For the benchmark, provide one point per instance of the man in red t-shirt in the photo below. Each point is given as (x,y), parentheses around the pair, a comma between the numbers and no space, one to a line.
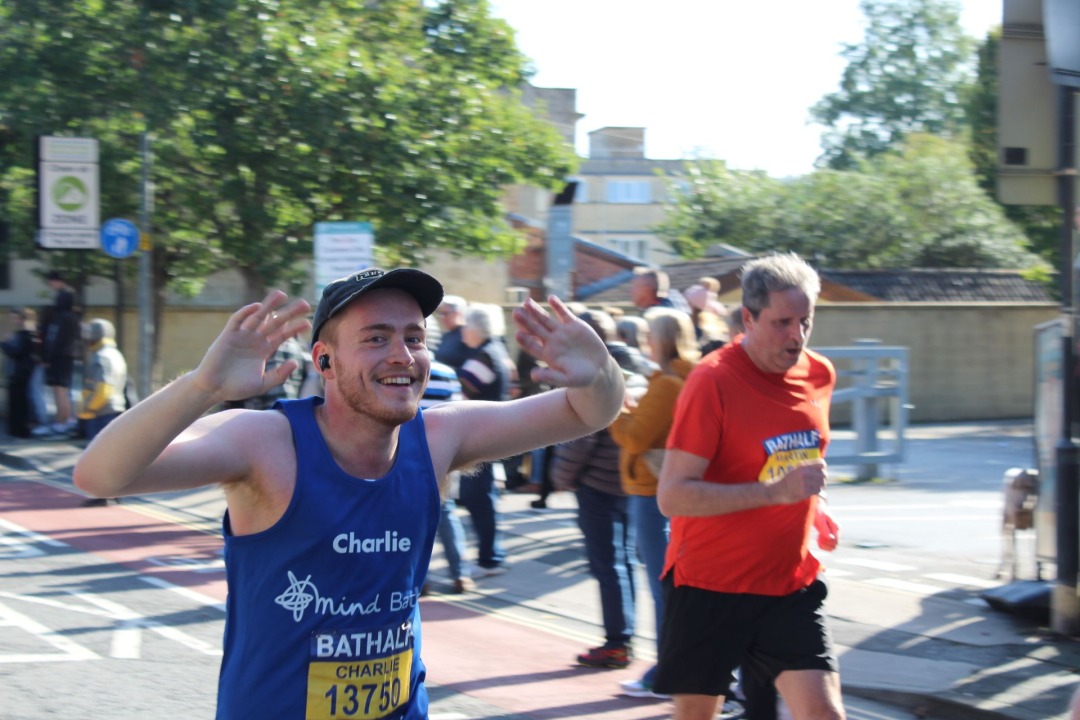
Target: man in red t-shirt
(741,479)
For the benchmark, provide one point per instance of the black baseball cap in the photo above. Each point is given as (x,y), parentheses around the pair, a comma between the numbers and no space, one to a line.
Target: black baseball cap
(426,290)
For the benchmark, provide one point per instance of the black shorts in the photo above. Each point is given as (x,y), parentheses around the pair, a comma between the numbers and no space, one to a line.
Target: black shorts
(707,634)
(59,372)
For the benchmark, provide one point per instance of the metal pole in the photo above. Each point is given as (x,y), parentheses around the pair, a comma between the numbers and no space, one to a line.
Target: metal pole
(144,382)
(146,314)
(1065,606)
(118,310)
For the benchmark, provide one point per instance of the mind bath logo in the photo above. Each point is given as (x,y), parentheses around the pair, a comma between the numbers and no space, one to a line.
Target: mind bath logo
(302,594)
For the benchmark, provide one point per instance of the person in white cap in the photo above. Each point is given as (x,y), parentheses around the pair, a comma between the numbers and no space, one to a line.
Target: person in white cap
(333,503)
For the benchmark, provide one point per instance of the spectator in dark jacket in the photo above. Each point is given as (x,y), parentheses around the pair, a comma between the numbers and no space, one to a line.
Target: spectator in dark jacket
(18,348)
(484,376)
(452,350)
(589,466)
(60,348)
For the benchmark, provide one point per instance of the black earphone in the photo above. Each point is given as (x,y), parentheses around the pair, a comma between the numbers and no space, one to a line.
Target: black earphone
(324,362)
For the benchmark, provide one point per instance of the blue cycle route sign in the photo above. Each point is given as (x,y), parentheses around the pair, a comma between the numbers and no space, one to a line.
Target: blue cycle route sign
(119,238)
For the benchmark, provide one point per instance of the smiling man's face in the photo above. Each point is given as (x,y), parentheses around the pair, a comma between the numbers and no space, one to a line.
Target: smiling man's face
(380,361)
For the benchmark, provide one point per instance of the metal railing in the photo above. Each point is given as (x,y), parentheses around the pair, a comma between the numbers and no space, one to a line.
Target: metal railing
(874,379)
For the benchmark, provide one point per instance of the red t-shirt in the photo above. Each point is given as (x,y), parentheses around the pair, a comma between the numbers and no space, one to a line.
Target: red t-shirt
(752,426)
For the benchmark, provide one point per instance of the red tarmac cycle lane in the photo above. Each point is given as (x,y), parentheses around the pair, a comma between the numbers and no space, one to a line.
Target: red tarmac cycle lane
(117,533)
(518,668)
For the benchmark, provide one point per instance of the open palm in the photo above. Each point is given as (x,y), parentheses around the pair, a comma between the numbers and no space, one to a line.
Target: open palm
(234,367)
(570,349)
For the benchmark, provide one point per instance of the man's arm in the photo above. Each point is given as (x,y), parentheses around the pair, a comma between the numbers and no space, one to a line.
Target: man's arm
(683,491)
(589,395)
(164,443)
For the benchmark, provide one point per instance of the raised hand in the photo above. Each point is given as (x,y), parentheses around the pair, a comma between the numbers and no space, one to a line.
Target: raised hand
(570,349)
(234,368)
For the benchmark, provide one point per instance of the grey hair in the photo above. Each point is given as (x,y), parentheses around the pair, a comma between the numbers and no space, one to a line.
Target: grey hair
(99,329)
(776,273)
(658,279)
(486,319)
(455,302)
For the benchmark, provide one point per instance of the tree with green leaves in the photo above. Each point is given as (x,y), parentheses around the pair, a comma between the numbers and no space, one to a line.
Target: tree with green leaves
(911,73)
(917,205)
(714,203)
(267,117)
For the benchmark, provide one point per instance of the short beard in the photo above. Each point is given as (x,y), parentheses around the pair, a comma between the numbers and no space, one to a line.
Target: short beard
(362,404)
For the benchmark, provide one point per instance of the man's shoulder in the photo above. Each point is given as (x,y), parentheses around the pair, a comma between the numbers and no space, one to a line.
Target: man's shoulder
(244,447)
(820,365)
(815,357)
(269,424)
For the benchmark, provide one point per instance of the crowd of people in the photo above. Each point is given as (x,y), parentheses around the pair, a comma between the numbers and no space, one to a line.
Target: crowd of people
(65,374)
(650,419)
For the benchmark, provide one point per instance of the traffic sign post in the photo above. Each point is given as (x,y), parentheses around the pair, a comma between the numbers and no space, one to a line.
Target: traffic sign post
(119,238)
(68,193)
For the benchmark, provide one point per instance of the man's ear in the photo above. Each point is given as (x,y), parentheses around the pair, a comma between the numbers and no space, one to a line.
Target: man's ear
(321,357)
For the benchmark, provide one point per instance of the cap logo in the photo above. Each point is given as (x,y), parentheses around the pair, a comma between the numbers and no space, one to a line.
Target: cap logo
(368,274)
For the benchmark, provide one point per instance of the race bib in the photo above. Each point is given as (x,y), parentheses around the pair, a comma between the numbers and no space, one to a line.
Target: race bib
(786,452)
(359,674)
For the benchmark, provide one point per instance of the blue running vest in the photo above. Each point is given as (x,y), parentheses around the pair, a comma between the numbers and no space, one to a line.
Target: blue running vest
(323,618)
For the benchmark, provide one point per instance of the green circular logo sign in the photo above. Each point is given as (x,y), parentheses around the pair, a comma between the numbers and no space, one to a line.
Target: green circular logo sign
(69,193)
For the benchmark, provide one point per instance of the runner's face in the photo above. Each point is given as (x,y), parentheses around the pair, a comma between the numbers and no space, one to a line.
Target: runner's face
(777,338)
(381,362)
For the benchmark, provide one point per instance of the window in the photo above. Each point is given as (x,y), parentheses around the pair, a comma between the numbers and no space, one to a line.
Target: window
(581,192)
(582,195)
(633,248)
(629,191)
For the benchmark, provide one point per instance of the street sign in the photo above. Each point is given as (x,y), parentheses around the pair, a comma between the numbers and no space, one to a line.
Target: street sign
(68,149)
(69,196)
(119,238)
(68,193)
(68,239)
(341,248)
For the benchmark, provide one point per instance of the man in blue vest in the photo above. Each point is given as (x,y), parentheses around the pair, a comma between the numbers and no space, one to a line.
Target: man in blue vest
(333,503)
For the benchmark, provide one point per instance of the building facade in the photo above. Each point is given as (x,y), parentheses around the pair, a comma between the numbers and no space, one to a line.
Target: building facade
(622,195)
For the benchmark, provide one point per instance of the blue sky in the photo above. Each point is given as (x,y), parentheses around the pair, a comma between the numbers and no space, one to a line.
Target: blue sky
(731,79)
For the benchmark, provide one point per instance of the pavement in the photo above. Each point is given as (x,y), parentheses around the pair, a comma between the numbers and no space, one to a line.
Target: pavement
(901,655)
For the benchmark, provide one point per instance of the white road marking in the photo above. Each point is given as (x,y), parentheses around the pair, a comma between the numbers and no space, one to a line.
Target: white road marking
(68,649)
(873,564)
(24,546)
(127,635)
(964,580)
(184,592)
(49,602)
(906,586)
(182,563)
(36,537)
(127,638)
